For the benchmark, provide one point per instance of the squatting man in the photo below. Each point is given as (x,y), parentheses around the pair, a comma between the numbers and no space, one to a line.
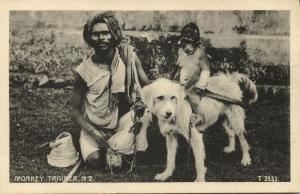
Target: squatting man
(104,86)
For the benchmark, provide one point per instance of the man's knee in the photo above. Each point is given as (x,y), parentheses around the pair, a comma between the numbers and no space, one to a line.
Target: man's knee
(97,159)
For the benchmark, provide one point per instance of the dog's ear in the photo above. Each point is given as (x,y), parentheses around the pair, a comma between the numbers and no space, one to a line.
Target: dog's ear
(147,95)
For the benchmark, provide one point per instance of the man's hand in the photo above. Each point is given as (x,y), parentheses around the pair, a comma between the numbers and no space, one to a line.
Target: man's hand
(100,139)
(139,108)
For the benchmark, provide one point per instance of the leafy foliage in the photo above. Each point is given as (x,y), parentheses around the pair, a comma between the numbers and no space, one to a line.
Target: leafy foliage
(40,52)
(159,58)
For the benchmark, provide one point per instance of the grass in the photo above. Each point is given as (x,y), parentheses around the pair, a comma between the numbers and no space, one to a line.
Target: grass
(39,115)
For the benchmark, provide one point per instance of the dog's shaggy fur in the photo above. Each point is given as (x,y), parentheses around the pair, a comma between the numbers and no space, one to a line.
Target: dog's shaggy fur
(208,110)
(166,100)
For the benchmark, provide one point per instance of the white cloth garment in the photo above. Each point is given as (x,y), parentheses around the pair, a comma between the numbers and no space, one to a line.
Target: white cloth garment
(118,71)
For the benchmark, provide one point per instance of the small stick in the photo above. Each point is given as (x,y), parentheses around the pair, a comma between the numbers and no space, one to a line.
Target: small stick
(43,144)
(73,171)
(131,166)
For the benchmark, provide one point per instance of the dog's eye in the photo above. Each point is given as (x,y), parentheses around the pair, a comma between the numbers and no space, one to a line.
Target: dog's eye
(173,97)
(160,97)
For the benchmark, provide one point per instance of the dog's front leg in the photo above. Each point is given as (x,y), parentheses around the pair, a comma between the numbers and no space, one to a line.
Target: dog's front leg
(199,154)
(246,160)
(171,142)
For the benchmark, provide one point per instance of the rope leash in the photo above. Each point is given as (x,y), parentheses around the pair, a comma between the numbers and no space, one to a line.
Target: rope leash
(189,145)
(135,129)
(114,158)
(221,98)
(189,142)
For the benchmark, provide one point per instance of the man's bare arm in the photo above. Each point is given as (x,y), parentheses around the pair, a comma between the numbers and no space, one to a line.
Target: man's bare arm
(79,91)
(143,78)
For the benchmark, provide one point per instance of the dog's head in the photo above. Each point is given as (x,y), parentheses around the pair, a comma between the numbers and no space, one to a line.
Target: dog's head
(165,99)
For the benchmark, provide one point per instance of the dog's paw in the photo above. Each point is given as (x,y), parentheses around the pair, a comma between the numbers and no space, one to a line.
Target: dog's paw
(162,176)
(228,149)
(200,179)
(246,161)
(201,174)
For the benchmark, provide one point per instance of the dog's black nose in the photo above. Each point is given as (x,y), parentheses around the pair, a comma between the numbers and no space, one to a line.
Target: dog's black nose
(168,114)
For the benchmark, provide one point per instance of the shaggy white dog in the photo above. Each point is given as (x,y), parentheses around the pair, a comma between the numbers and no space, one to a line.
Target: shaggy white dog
(237,87)
(166,100)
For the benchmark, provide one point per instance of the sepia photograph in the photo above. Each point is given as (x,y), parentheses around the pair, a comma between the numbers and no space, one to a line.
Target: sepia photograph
(79,92)
(150,96)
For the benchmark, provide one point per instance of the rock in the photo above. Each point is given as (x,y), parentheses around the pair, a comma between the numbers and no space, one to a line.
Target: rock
(59,83)
(43,80)
(59,80)
(46,82)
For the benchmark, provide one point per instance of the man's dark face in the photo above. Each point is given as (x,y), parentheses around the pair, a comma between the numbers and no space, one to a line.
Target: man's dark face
(101,38)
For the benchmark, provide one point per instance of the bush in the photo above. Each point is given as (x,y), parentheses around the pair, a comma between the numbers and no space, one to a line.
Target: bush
(159,58)
(39,52)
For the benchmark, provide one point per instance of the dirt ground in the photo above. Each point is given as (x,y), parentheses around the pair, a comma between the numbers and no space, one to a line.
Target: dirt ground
(39,115)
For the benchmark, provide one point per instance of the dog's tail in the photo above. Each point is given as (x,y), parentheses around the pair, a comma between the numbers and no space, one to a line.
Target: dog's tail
(250,94)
